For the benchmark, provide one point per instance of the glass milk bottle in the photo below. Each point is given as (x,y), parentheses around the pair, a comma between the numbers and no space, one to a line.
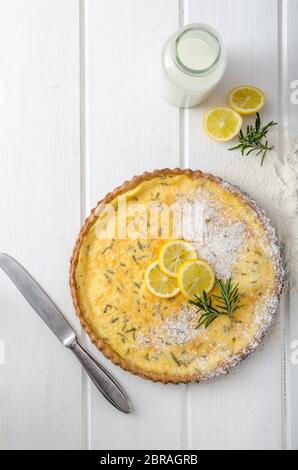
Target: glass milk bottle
(193,62)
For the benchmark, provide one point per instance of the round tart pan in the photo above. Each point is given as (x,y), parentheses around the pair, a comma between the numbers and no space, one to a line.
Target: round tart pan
(223,367)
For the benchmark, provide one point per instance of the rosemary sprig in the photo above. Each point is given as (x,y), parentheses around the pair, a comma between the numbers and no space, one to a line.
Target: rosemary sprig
(225,304)
(230,297)
(253,140)
(204,305)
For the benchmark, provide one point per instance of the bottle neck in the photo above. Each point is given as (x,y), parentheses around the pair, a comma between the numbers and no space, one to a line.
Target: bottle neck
(196,50)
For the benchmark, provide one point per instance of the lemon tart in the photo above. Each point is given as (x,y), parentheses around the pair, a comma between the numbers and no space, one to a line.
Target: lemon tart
(119,251)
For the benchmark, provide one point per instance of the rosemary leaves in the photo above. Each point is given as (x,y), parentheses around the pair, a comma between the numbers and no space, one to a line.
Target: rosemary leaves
(217,305)
(255,139)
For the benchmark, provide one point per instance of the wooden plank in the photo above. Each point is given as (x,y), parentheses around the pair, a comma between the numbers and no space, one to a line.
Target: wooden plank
(129,129)
(243,410)
(40,382)
(290,107)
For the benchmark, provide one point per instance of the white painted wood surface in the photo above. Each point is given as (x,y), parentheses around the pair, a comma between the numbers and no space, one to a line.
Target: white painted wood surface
(40,384)
(290,139)
(79,113)
(253,58)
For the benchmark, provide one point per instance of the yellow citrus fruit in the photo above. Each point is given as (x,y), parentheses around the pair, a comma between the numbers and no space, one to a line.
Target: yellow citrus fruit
(194,277)
(159,284)
(173,254)
(246,99)
(222,124)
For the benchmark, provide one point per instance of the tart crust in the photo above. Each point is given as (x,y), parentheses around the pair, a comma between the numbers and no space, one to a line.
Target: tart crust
(224,367)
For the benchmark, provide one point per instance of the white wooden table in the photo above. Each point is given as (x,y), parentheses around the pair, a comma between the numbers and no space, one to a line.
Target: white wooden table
(79,113)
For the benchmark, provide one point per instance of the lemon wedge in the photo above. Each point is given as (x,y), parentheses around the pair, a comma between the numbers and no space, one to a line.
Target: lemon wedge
(222,124)
(159,284)
(174,254)
(246,99)
(194,277)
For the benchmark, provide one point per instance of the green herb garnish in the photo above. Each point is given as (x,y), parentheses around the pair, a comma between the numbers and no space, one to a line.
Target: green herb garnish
(108,248)
(107,307)
(107,278)
(176,359)
(131,330)
(255,139)
(216,305)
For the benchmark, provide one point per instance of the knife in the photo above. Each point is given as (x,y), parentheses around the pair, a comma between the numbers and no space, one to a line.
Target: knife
(52,316)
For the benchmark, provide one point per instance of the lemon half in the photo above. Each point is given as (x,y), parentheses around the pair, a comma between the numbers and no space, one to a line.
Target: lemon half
(222,124)
(174,254)
(159,283)
(246,99)
(194,277)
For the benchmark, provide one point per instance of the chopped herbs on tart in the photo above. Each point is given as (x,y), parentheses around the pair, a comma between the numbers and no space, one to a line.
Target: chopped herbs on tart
(178,308)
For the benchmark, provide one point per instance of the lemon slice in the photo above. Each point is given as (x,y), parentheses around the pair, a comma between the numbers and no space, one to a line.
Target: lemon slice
(194,277)
(159,283)
(173,254)
(222,124)
(246,99)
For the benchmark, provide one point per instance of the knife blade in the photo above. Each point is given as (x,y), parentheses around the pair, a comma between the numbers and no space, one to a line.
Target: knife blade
(51,315)
(38,299)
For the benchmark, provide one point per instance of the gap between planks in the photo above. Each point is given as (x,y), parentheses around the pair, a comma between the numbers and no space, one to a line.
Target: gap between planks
(84,184)
(184,163)
(282,137)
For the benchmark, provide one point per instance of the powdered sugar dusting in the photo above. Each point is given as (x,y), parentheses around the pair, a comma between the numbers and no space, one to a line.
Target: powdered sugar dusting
(221,246)
(274,251)
(175,330)
(217,239)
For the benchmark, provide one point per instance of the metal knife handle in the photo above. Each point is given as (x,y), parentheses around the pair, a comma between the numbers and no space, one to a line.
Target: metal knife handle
(102,379)
(52,316)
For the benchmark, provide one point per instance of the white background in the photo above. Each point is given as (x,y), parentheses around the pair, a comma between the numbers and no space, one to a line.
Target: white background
(79,113)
